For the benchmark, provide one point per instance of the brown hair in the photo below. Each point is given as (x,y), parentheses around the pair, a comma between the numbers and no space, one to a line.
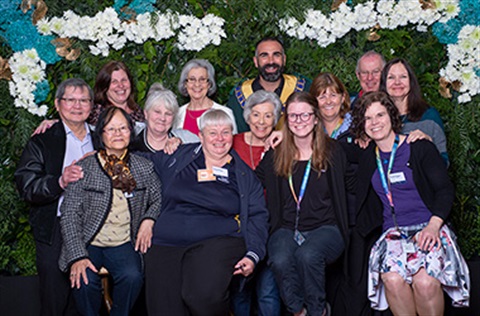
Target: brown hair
(326,80)
(287,152)
(416,105)
(358,123)
(104,78)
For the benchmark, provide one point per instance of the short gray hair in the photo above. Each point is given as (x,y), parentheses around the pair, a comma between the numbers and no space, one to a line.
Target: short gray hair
(73,82)
(157,95)
(370,53)
(197,63)
(214,117)
(262,96)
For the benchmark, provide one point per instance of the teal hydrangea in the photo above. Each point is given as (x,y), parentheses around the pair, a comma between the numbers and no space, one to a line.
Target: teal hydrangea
(41,91)
(447,33)
(138,6)
(20,34)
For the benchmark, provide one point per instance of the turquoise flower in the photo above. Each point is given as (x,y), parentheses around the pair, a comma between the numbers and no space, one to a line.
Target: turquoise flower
(138,6)
(469,12)
(41,91)
(46,50)
(447,33)
(477,71)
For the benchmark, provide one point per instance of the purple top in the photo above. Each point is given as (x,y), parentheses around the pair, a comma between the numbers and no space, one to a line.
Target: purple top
(409,206)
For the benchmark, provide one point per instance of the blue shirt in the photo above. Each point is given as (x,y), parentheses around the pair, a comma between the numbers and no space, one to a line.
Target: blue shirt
(74,150)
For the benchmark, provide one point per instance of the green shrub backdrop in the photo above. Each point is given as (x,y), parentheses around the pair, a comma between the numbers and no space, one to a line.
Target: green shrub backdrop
(245,23)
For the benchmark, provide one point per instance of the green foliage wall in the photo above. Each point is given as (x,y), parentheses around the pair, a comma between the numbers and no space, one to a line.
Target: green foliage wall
(246,23)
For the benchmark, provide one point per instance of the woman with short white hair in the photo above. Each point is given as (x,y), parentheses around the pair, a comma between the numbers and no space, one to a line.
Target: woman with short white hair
(160,111)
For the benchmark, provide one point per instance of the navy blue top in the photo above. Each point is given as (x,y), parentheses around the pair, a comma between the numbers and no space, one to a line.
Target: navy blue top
(245,197)
(200,210)
(409,206)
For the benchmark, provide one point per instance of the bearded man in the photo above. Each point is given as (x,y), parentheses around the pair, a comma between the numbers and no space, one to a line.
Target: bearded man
(270,61)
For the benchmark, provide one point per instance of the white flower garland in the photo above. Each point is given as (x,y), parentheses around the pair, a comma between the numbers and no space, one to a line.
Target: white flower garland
(388,14)
(107,31)
(27,70)
(464,62)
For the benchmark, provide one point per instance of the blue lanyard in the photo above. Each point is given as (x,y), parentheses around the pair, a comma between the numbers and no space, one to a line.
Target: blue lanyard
(334,134)
(303,187)
(386,179)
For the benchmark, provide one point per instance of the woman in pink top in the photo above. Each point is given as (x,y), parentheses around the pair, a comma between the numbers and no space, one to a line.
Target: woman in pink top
(197,81)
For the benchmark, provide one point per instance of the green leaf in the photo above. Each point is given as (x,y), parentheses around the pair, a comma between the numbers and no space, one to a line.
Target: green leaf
(149,50)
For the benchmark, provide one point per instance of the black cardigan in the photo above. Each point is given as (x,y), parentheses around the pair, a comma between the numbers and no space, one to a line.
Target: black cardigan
(338,179)
(429,175)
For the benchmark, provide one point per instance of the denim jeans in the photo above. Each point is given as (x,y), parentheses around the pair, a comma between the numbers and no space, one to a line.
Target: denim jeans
(266,290)
(300,270)
(124,265)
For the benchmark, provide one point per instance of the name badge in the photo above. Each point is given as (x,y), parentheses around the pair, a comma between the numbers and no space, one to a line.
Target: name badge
(204,175)
(397,177)
(220,172)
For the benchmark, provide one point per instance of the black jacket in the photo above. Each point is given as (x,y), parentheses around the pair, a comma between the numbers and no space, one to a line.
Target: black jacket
(338,179)
(37,176)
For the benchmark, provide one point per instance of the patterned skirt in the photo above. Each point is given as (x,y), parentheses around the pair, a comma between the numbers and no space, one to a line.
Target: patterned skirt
(399,252)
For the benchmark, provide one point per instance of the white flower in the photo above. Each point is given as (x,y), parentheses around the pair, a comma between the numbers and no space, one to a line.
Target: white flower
(384,7)
(464,98)
(43,27)
(422,28)
(94,50)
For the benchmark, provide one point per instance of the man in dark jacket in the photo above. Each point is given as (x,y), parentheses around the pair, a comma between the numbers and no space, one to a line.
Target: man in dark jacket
(45,169)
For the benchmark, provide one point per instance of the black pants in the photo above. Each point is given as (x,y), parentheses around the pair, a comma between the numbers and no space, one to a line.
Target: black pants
(191,280)
(55,294)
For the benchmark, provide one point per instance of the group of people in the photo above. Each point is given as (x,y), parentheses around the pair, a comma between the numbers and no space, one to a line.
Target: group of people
(292,195)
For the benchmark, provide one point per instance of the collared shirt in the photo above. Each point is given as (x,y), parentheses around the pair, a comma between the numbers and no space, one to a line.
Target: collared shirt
(74,150)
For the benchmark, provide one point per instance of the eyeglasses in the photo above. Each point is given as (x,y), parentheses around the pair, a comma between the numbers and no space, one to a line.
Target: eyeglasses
(200,80)
(113,130)
(375,73)
(73,101)
(304,117)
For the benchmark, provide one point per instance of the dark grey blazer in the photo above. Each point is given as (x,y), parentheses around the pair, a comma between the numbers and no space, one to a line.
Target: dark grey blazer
(88,201)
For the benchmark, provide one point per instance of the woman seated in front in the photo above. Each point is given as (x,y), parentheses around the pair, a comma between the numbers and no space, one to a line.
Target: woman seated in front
(417,254)
(213,224)
(108,216)
(305,179)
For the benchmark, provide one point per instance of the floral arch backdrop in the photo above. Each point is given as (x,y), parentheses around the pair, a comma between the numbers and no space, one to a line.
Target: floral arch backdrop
(45,42)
